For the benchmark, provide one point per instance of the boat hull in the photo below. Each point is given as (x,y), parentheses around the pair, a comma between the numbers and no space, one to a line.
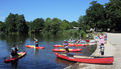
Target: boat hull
(99,60)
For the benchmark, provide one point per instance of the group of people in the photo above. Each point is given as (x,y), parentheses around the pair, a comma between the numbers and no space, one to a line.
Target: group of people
(101,40)
(14,49)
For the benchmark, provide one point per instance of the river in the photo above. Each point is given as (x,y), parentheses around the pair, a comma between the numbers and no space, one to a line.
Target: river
(36,59)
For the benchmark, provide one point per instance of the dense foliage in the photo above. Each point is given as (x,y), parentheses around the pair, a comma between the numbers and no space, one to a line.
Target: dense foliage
(102,17)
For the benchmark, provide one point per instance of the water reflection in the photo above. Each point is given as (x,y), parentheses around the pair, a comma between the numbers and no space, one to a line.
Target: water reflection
(37,58)
(14,40)
(14,64)
(36,52)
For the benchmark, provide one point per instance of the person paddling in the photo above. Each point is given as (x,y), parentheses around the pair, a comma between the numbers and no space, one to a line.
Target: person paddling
(66,47)
(14,53)
(36,42)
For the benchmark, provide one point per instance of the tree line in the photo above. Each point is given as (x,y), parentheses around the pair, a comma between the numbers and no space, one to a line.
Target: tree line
(105,17)
(16,23)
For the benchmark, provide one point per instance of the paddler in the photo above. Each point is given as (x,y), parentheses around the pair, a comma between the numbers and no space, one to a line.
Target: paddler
(36,42)
(66,46)
(14,53)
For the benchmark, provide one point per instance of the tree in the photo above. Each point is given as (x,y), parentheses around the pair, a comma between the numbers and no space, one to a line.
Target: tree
(75,24)
(11,23)
(113,14)
(37,25)
(2,26)
(65,25)
(95,15)
(55,23)
(16,23)
(47,25)
(83,23)
(21,25)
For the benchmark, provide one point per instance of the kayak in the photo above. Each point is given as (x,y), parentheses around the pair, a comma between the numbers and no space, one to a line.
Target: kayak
(33,46)
(63,50)
(57,45)
(20,55)
(71,45)
(81,44)
(87,59)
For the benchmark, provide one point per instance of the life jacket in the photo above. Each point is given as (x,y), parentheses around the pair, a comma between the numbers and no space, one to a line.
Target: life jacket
(36,41)
(101,48)
(66,44)
(14,50)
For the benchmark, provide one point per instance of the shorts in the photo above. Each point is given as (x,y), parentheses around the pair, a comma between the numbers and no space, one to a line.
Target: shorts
(102,52)
(67,50)
(36,45)
(105,39)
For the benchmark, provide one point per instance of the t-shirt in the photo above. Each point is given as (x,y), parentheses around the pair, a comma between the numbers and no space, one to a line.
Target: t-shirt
(101,48)
(101,40)
(14,50)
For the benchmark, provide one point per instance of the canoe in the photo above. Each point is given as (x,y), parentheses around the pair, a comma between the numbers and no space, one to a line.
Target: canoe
(20,55)
(63,50)
(33,46)
(87,59)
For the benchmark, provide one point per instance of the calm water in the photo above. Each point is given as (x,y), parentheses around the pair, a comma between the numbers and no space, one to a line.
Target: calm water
(36,59)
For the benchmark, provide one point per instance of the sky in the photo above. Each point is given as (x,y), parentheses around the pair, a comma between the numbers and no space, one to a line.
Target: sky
(69,10)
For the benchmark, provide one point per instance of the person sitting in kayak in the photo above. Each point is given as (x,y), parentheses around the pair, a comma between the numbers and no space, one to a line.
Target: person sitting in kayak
(14,52)
(87,40)
(36,42)
(66,47)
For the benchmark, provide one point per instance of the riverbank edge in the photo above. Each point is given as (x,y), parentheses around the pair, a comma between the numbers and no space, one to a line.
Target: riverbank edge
(109,51)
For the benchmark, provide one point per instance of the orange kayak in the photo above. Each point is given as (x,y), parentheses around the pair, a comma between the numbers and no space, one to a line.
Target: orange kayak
(33,46)
(63,50)
(71,45)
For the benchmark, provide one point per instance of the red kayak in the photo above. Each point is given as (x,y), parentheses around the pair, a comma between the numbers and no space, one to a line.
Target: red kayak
(33,46)
(20,55)
(70,45)
(58,45)
(87,59)
(63,50)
